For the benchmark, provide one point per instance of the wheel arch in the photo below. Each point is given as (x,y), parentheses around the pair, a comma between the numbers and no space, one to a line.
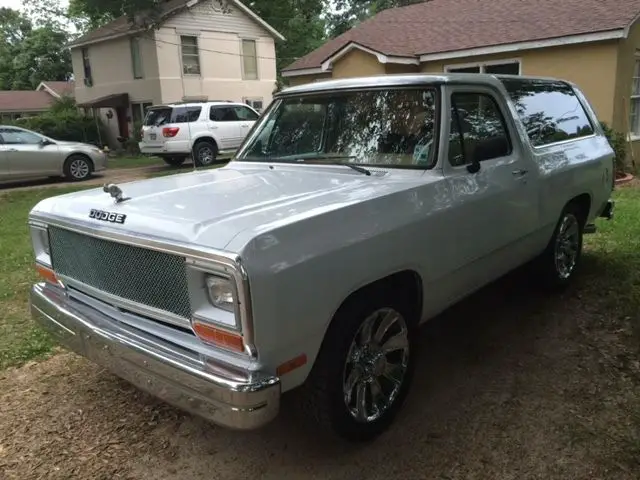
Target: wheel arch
(583,203)
(206,138)
(407,283)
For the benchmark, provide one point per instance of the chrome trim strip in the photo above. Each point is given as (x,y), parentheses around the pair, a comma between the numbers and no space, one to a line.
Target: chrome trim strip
(208,255)
(114,300)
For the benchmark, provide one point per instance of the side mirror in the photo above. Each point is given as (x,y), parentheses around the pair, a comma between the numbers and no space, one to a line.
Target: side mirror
(474,166)
(44,142)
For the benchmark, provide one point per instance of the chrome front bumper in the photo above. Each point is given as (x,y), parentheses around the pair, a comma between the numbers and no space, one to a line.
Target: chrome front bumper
(218,392)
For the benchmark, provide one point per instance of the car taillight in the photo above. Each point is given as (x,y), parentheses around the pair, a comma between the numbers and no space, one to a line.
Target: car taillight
(170,131)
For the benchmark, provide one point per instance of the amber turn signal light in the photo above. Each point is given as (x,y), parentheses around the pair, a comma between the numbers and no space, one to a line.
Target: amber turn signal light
(48,274)
(216,336)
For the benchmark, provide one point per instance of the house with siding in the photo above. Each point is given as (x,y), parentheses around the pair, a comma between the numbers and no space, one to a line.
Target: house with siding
(201,49)
(593,43)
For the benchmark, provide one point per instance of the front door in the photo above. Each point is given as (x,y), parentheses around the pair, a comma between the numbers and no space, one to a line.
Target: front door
(27,157)
(494,210)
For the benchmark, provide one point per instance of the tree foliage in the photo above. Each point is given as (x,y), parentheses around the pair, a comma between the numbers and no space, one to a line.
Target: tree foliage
(349,13)
(31,53)
(63,121)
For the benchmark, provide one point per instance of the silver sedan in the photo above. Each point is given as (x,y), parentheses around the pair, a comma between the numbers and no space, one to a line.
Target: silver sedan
(25,154)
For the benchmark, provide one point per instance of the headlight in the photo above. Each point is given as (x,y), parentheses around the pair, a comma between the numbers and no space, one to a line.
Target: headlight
(221,293)
(40,242)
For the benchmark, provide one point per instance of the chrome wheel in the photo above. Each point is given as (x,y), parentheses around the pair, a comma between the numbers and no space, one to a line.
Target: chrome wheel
(376,365)
(567,246)
(79,169)
(206,155)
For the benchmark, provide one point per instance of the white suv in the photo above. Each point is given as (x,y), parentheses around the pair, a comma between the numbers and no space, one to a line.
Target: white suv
(206,129)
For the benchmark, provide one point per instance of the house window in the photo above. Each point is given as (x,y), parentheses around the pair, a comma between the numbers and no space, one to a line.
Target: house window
(136,58)
(634,120)
(190,55)
(86,65)
(505,67)
(249,60)
(255,103)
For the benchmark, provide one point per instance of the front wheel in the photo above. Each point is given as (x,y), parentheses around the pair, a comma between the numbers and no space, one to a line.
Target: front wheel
(77,168)
(558,263)
(363,372)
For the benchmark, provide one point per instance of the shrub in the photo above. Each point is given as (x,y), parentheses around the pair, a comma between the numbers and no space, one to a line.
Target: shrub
(64,122)
(618,142)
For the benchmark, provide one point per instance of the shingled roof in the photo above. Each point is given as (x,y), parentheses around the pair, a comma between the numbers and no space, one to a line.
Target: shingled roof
(24,100)
(440,26)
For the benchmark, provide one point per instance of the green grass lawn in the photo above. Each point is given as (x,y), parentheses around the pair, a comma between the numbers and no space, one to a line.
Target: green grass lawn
(20,339)
(612,269)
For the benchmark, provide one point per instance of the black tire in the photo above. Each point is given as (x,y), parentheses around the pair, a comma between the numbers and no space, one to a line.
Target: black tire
(205,153)
(78,168)
(557,265)
(174,161)
(322,396)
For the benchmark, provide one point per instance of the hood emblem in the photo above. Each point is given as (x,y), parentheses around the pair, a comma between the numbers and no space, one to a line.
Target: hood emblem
(115,192)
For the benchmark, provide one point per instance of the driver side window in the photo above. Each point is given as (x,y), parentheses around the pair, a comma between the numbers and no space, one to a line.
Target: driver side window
(478,129)
(13,136)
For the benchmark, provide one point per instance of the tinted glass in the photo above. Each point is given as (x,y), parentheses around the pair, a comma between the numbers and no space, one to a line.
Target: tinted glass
(245,113)
(392,128)
(13,136)
(478,129)
(223,114)
(550,111)
(185,114)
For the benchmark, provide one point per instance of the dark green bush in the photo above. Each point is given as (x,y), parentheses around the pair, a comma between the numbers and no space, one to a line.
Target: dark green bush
(65,122)
(618,142)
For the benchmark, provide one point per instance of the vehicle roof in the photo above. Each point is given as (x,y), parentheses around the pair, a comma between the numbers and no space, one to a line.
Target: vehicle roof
(400,80)
(201,104)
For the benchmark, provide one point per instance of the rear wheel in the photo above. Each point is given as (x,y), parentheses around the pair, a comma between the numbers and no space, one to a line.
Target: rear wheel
(205,153)
(174,161)
(363,372)
(78,168)
(558,263)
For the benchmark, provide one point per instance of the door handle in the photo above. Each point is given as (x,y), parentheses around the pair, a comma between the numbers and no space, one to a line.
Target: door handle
(519,173)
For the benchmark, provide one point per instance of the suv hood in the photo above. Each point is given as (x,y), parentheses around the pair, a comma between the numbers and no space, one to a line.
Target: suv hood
(210,208)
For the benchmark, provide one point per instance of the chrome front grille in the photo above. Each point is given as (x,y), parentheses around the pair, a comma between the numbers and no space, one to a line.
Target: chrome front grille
(146,277)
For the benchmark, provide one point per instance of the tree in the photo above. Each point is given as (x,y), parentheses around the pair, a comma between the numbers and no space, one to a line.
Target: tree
(28,54)
(348,13)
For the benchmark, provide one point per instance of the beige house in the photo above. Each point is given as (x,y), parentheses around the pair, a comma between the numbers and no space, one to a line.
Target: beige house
(200,49)
(594,43)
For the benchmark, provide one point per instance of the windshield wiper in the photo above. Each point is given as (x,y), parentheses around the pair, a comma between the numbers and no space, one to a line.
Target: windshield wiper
(333,161)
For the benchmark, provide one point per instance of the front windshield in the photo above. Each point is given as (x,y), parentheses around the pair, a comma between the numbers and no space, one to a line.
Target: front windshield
(388,128)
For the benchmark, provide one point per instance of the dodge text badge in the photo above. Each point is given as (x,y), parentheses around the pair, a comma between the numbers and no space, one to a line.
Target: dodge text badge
(107,216)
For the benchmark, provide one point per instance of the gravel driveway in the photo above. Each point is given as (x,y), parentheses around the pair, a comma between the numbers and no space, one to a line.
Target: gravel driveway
(511,385)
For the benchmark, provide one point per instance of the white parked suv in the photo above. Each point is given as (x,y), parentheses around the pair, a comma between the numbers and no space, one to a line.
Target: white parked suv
(354,211)
(206,129)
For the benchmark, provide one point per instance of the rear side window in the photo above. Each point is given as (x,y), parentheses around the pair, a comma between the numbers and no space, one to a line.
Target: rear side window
(550,111)
(163,115)
(223,114)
